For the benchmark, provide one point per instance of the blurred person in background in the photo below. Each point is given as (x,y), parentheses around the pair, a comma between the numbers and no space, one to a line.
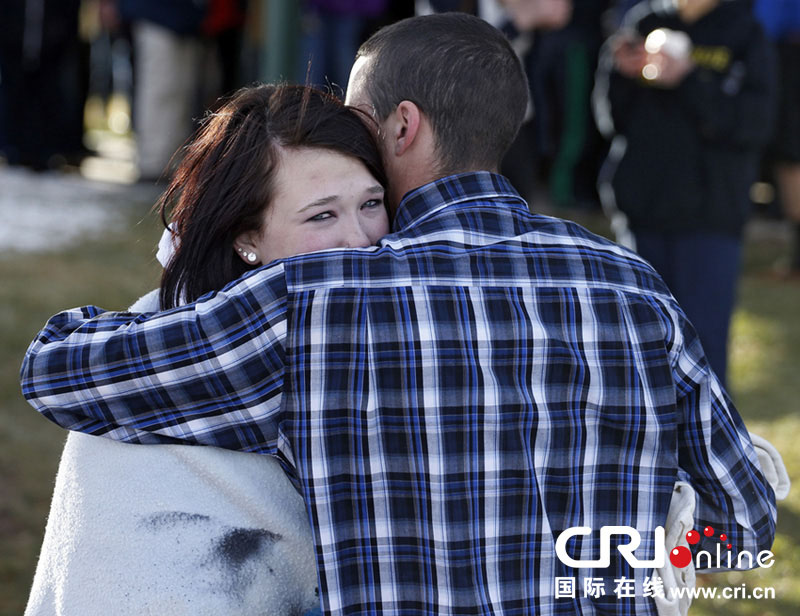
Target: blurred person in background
(168,65)
(686,90)
(331,32)
(172,71)
(43,84)
(566,148)
(781,19)
(223,28)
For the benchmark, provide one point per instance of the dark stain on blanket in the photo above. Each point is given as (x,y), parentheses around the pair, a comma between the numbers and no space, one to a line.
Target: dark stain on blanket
(237,559)
(157,521)
(241,554)
(238,545)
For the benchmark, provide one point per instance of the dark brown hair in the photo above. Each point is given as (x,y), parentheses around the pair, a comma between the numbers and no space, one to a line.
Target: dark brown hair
(225,180)
(462,73)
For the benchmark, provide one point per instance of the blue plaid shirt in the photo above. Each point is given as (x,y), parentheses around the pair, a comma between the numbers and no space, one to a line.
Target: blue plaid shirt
(448,402)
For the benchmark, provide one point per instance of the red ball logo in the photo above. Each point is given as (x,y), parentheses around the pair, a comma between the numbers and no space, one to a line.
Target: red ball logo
(708,531)
(723,537)
(680,556)
(693,537)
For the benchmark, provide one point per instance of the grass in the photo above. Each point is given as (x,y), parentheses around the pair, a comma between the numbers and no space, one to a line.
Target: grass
(115,270)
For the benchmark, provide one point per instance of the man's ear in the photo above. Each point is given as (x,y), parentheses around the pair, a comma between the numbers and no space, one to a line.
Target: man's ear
(407,118)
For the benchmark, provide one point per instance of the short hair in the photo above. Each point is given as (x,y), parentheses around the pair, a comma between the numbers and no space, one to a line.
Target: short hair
(462,73)
(226,178)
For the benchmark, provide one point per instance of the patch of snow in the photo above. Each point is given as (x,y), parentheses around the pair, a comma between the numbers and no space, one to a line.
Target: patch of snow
(46,212)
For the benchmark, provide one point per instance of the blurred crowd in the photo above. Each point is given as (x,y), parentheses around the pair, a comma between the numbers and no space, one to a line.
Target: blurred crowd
(664,113)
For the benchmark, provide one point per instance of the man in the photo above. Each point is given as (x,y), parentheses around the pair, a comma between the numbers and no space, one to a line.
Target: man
(453,400)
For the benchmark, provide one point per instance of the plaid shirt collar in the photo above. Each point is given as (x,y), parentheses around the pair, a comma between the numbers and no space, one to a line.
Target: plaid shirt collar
(454,190)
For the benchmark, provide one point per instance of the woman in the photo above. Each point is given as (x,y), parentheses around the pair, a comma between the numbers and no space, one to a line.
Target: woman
(277,171)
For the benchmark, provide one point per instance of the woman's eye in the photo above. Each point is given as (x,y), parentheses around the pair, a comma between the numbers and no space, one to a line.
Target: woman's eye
(373,203)
(322,216)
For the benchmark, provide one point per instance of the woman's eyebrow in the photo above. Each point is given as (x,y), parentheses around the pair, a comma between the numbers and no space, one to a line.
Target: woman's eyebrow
(377,189)
(319,202)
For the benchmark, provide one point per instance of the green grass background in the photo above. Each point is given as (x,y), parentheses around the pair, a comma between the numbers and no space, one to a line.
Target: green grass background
(115,270)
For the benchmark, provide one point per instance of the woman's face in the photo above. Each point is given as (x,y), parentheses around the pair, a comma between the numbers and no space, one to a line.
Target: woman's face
(322,199)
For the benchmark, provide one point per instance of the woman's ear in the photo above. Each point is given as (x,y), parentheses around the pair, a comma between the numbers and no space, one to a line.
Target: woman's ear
(246,246)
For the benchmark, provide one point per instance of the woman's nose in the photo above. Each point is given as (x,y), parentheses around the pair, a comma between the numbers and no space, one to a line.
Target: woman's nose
(355,236)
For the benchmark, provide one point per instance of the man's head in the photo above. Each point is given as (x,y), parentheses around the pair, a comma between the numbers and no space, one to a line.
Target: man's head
(448,93)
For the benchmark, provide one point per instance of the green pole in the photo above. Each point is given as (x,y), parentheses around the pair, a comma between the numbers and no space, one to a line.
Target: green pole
(280,24)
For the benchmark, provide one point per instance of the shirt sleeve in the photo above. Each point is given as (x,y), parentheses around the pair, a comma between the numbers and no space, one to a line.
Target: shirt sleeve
(208,373)
(715,451)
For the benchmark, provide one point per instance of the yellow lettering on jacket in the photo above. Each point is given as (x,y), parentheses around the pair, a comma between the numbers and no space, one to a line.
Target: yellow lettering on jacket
(714,58)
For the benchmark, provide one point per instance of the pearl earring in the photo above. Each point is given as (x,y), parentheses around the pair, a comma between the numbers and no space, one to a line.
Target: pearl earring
(250,256)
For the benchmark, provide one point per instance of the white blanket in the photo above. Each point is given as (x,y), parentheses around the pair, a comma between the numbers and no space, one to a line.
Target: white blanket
(171,530)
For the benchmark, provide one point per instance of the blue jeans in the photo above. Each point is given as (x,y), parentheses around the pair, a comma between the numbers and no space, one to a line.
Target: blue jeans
(702,271)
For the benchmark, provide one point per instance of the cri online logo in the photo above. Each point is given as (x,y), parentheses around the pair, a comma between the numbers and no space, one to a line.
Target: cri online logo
(679,556)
